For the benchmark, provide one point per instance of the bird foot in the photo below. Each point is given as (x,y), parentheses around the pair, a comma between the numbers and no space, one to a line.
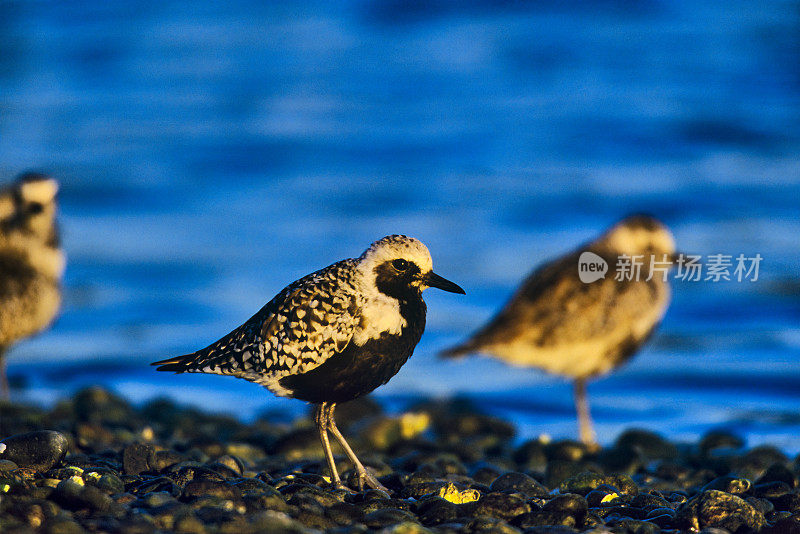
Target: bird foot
(367,479)
(340,486)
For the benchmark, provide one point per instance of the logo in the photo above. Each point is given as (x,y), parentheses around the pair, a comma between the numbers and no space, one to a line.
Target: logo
(591,267)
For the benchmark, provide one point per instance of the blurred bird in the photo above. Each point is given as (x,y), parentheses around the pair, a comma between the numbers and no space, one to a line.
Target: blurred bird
(584,329)
(31,261)
(332,336)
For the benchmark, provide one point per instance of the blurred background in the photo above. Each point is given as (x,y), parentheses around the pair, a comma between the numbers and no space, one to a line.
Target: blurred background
(212,152)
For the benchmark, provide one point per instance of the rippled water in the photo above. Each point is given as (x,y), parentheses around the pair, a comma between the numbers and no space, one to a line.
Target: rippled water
(211,153)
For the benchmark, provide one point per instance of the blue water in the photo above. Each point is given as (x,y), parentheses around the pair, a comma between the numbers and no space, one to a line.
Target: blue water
(210,153)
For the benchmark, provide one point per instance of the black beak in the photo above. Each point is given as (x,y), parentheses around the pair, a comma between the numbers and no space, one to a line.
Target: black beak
(434,280)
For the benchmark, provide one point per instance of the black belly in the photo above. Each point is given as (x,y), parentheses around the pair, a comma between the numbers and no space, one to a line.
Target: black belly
(357,371)
(350,374)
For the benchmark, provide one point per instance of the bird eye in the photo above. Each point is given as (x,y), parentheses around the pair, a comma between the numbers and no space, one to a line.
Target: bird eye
(34,208)
(400,265)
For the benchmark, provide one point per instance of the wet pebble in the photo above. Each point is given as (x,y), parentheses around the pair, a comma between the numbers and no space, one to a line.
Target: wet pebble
(39,450)
(519,483)
(714,508)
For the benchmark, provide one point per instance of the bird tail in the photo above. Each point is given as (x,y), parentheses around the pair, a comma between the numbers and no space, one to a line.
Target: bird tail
(178,364)
(457,351)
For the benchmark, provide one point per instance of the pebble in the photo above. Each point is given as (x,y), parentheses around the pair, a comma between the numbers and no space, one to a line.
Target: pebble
(39,450)
(165,468)
(519,483)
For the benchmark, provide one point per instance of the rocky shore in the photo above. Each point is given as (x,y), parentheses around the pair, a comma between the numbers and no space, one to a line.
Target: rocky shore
(95,463)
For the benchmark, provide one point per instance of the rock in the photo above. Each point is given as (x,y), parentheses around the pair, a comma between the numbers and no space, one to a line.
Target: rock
(789,502)
(497,505)
(435,511)
(75,496)
(649,444)
(778,473)
(138,458)
(785,525)
(771,490)
(585,482)
(719,439)
(714,508)
(569,503)
(97,405)
(388,516)
(531,455)
(38,450)
(519,483)
(565,450)
(202,488)
(733,485)
(632,526)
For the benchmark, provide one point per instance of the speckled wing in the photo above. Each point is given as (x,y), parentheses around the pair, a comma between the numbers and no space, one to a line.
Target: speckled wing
(554,308)
(298,330)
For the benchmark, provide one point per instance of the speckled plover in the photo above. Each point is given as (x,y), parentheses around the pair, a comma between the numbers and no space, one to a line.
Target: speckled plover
(578,329)
(332,336)
(31,261)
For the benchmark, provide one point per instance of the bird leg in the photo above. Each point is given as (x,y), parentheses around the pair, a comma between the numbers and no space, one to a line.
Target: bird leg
(586,431)
(321,415)
(363,475)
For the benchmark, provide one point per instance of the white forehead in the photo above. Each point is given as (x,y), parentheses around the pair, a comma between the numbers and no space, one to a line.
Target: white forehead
(394,247)
(42,191)
(635,238)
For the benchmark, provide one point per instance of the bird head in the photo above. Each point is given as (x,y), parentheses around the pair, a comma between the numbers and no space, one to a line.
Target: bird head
(28,207)
(639,234)
(402,266)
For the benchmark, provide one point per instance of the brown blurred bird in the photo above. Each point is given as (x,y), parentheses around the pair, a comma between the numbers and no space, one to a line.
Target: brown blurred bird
(582,330)
(31,261)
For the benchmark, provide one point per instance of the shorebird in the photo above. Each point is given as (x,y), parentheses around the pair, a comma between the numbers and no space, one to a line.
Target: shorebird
(581,330)
(31,261)
(332,336)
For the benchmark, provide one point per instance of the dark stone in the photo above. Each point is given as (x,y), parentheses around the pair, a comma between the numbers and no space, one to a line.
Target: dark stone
(569,504)
(202,488)
(649,501)
(550,529)
(785,525)
(585,482)
(97,405)
(38,450)
(111,484)
(542,518)
(435,510)
(418,490)
(344,513)
(531,455)
(519,483)
(734,485)
(778,473)
(714,508)
(649,444)
(388,516)
(138,458)
(789,502)
(719,439)
(485,474)
(632,526)
(485,525)
(560,470)
(497,505)
(771,490)
(762,457)
(565,450)
(74,496)
(665,521)
(602,494)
